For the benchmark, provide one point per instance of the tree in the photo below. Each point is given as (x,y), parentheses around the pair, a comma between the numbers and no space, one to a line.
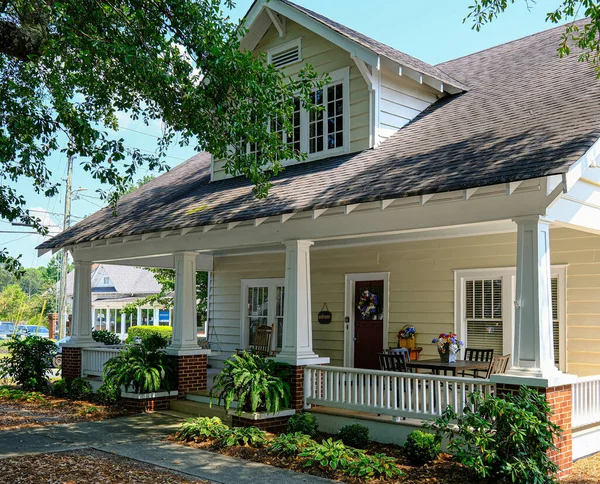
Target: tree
(586,37)
(68,67)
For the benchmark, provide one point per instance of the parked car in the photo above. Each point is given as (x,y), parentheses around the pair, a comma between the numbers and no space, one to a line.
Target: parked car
(6,330)
(57,361)
(40,331)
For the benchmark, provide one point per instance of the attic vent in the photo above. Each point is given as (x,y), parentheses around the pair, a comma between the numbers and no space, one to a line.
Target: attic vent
(285,54)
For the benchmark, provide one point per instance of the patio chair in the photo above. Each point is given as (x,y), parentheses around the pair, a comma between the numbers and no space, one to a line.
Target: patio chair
(262,342)
(476,354)
(497,365)
(393,361)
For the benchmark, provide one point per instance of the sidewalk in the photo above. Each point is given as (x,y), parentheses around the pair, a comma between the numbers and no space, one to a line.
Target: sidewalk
(140,437)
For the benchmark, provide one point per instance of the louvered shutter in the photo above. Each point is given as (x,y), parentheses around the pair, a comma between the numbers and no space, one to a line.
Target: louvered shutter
(555,321)
(483,307)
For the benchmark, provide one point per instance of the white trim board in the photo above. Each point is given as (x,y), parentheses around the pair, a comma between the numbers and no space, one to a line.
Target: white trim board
(350,280)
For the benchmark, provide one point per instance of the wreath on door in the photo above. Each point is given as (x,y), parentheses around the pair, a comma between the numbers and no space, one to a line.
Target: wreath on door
(367,304)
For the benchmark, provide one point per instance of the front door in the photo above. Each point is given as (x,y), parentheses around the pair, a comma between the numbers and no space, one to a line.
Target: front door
(368,323)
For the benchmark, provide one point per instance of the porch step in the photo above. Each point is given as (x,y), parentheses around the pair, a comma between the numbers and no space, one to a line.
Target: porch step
(203,396)
(198,409)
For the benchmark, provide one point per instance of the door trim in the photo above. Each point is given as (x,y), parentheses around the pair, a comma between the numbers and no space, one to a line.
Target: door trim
(350,282)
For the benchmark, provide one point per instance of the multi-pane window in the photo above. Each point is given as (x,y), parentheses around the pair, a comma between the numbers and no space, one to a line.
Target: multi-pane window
(258,310)
(483,308)
(335,116)
(316,129)
(279,316)
(293,138)
(263,301)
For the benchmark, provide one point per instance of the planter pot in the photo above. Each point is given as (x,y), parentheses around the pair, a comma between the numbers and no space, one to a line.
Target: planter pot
(270,422)
(148,402)
(444,356)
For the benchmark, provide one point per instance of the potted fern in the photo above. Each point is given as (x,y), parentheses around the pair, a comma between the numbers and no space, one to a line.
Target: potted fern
(145,367)
(256,383)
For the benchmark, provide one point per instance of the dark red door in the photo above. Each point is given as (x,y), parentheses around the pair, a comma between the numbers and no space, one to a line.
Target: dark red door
(368,323)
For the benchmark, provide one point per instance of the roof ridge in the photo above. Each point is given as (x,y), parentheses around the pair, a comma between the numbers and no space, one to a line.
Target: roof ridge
(535,34)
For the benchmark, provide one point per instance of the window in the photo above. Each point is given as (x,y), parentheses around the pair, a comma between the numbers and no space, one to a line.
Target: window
(485,315)
(262,305)
(286,54)
(106,281)
(322,133)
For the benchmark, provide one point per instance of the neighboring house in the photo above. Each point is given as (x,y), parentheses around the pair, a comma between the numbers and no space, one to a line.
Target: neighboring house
(113,287)
(465,196)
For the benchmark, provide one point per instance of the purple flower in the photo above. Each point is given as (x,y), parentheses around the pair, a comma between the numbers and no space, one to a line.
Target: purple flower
(434,340)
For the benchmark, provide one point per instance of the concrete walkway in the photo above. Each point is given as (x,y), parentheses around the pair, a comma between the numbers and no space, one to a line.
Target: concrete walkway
(140,437)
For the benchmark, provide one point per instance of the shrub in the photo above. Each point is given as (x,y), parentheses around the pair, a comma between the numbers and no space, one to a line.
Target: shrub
(255,382)
(21,396)
(251,436)
(60,388)
(144,331)
(28,361)
(504,438)
(106,337)
(145,367)
(421,448)
(304,423)
(331,453)
(289,444)
(80,389)
(200,429)
(354,435)
(108,394)
(374,467)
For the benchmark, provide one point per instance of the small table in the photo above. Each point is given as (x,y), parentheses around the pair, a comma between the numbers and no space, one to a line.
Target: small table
(436,366)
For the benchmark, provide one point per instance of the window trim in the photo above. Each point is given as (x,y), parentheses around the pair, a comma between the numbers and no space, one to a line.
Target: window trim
(508,274)
(283,47)
(271,283)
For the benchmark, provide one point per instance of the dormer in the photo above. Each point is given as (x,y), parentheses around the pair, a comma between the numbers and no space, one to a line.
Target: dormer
(374,89)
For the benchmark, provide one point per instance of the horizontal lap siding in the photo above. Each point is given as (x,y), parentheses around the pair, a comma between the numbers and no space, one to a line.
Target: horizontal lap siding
(421,288)
(325,57)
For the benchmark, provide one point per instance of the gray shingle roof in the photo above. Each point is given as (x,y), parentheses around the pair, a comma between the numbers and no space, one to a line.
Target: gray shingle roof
(383,49)
(125,280)
(527,114)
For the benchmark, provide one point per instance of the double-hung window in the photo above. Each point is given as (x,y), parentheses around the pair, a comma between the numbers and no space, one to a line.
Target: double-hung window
(262,305)
(484,310)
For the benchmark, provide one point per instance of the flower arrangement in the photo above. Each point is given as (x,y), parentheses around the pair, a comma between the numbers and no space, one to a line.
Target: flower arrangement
(408,332)
(367,305)
(448,345)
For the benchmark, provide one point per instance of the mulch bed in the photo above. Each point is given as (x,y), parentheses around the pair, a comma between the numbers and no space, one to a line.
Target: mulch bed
(585,471)
(18,414)
(85,466)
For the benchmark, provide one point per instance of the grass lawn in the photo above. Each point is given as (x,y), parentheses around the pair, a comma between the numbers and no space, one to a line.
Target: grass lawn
(85,466)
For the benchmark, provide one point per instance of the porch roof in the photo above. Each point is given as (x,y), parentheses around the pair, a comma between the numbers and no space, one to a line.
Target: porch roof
(528,114)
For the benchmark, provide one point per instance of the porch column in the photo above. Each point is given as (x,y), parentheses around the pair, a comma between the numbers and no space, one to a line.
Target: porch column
(155,317)
(533,348)
(107,316)
(191,360)
(123,325)
(297,348)
(81,326)
(139,316)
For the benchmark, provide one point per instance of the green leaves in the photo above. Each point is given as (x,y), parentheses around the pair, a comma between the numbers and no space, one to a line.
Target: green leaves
(254,382)
(251,436)
(331,453)
(201,429)
(28,361)
(289,444)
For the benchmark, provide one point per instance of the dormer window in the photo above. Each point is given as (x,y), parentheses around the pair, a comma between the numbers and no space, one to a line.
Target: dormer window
(286,54)
(106,281)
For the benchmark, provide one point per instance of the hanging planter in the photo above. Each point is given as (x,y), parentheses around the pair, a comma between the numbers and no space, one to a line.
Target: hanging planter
(324,316)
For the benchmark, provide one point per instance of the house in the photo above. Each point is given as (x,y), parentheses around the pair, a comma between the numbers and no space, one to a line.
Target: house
(465,196)
(114,287)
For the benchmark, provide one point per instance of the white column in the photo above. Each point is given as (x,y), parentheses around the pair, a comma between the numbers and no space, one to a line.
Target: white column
(297,347)
(155,317)
(81,330)
(123,325)
(533,338)
(139,316)
(107,325)
(184,339)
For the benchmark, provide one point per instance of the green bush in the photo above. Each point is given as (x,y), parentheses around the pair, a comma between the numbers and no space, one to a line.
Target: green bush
(376,466)
(354,435)
(144,331)
(108,394)
(21,396)
(106,337)
(28,361)
(289,444)
(255,382)
(80,389)
(251,436)
(421,448)
(304,423)
(145,367)
(200,429)
(331,453)
(60,388)
(504,438)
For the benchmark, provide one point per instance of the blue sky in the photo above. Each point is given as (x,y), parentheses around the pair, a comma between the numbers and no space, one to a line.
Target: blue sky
(432,30)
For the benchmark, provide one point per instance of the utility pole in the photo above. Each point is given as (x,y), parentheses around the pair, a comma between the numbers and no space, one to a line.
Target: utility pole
(64,268)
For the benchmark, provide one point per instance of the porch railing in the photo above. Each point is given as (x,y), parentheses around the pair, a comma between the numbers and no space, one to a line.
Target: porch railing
(586,401)
(409,395)
(93,359)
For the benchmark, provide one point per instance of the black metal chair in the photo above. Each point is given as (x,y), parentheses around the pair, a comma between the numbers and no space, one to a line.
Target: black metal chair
(477,354)
(393,361)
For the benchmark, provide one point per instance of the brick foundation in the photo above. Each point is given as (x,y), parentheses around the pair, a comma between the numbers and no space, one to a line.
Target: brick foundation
(71,363)
(274,425)
(190,373)
(297,388)
(148,404)
(560,400)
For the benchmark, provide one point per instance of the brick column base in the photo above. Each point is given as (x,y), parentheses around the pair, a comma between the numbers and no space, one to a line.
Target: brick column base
(297,388)
(147,404)
(275,425)
(71,363)
(560,400)
(190,373)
